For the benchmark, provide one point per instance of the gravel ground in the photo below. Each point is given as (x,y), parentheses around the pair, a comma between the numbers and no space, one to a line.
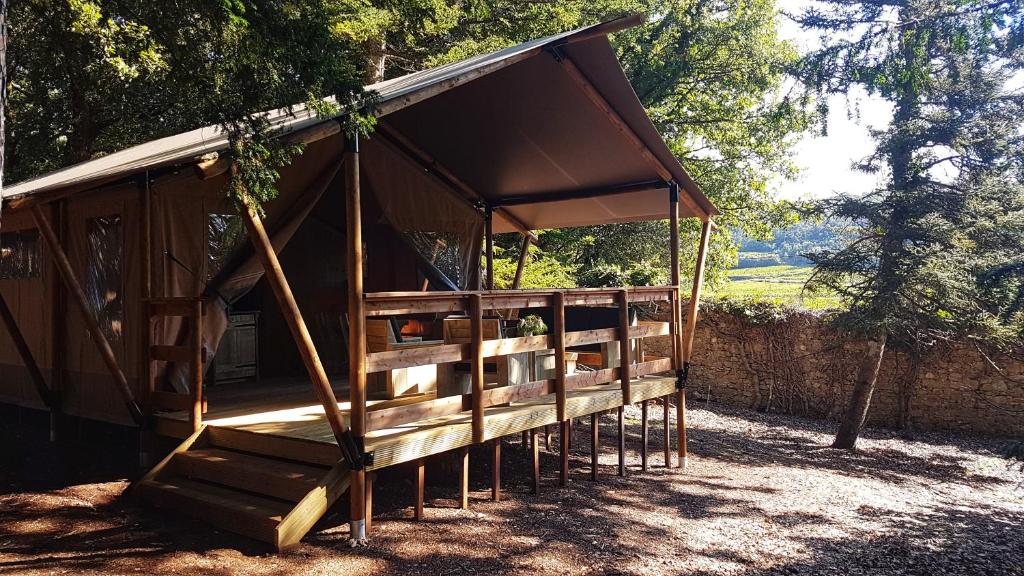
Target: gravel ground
(762,495)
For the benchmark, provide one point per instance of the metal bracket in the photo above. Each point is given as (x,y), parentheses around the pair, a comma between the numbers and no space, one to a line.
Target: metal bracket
(367,459)
(673,191)
(682,376)
(556,51)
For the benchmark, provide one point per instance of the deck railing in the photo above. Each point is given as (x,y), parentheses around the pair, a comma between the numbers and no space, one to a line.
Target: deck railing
(478,304)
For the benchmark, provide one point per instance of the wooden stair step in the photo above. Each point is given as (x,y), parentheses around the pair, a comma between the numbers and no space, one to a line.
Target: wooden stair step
(247,514)
(267,476)
(298,449)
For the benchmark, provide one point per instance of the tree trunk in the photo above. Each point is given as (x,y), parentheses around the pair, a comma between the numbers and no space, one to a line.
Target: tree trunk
(860,399)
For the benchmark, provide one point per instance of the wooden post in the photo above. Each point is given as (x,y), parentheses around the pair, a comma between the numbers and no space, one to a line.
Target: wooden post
(147,438)
(558,310)
(563,474)
(71,281)
(196,416)
(420,483)
(477,365)
(496,471)
(667,436)
(622,442)
(464,478)
(624,345)
(535,453)
(643,435)
(524,255)
(370,477)
(673,218)
(686,346)
(58,327)
(44,391)
(356,325)
(595,444)
(489,245)
(677,355)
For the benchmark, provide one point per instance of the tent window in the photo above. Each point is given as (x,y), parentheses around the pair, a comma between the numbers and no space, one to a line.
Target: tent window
(224,235)
(103,278)
(19,255)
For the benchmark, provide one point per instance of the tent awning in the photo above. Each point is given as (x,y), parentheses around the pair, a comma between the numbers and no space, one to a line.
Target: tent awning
(550,131)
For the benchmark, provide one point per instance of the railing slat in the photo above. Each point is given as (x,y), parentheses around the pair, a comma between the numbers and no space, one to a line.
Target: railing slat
(410,357)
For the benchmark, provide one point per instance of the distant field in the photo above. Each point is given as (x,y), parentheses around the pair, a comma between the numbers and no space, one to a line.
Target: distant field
(780,283)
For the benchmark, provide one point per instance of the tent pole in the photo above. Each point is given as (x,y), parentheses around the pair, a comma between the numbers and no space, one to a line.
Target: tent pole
(687,342)
(356,331)
(25,352)
(68,274)
(489,245)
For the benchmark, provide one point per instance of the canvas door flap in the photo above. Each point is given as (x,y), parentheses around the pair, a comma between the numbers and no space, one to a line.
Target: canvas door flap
(443,227)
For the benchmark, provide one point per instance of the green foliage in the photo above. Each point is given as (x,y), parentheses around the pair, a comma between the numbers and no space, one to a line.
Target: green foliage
(936,253)
(532,325)
(89,77)
(541,271)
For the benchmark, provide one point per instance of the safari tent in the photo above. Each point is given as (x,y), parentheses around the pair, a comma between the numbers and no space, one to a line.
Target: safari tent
(351,327)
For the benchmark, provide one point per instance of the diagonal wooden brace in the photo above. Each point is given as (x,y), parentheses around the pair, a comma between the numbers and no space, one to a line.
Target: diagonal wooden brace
(67,273)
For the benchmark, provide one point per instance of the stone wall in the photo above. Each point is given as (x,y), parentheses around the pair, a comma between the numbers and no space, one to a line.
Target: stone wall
(797,364)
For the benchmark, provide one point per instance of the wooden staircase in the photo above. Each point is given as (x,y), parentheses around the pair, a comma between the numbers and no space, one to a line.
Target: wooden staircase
(246,483)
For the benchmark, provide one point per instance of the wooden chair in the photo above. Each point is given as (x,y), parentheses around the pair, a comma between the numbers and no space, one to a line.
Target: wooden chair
(383,335)
(499,371)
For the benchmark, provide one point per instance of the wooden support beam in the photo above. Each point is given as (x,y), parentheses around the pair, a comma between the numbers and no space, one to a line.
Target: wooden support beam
(370,477)
(496,471)
(535,454)
(558,312)
(643,435)
(624,361)
(673,219)
(58,327)
(686,345)
(198,356)
(356,329)
(293,318)
(595,443)
(667,433)
(563,473)
(45,392)
(67,273)
(420,484)
(477,365)
(622,441)
(617,121)
(464,478)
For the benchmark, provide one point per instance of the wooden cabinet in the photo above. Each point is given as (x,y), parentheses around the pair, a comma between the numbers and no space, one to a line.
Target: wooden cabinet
(238,355)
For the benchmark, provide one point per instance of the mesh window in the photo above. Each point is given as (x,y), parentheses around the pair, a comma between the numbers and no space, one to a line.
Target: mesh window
(19,255)
(103,276)
(224,235)
(443,250)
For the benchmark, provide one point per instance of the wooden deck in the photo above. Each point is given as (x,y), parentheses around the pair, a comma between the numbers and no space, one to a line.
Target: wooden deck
(280,418)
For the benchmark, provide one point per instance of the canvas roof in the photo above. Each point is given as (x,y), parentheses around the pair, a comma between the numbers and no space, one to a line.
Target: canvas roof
(511,124)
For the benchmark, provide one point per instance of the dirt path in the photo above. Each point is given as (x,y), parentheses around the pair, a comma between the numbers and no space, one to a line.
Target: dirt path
(762,496)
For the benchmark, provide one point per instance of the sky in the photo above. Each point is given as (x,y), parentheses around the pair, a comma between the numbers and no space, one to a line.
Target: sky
(825,161)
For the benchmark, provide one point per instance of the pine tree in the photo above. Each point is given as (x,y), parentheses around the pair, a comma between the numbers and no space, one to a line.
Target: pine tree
(938,250)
